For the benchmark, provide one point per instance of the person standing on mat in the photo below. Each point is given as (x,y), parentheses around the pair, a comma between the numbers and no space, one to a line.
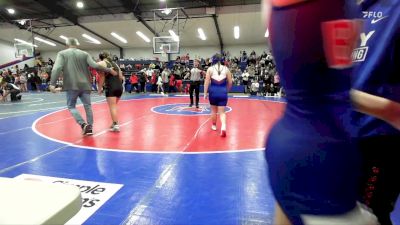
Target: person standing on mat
(195,76)
(378,73)
(217,84)
(74,64)
(112,86)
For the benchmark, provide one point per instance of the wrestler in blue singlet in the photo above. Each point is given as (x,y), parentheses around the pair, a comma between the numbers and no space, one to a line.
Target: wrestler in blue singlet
(218,91)
(313,163)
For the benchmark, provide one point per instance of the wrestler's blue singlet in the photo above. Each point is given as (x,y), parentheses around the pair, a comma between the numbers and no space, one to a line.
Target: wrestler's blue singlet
(312,159)
(218,90)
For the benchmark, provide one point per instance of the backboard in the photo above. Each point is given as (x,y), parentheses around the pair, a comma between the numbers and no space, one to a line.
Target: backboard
(166,44)
(22,50)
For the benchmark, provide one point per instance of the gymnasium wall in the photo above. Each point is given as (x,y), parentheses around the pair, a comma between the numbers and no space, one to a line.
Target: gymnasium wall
(258,48)
(147,53)
(95,53)
(7,52)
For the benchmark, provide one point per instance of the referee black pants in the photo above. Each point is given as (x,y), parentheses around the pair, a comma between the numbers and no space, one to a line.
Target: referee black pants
(194,86)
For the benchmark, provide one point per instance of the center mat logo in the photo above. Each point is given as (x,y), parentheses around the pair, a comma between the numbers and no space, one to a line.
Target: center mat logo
(184,109)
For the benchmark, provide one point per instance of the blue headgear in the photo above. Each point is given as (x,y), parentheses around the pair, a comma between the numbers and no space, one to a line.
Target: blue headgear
(218,58)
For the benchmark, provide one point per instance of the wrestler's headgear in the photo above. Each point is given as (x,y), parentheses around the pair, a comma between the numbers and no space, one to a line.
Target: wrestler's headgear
(217,58)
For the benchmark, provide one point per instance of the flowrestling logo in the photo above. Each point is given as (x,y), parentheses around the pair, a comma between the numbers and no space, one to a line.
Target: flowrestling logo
(374,16)
(185,109)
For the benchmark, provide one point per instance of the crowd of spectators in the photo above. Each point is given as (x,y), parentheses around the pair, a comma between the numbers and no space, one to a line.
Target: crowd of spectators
(256,73)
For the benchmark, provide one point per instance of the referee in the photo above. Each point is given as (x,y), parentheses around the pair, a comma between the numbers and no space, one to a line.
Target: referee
(195,75)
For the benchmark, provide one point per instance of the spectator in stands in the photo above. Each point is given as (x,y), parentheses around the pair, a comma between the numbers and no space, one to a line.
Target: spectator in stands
(94,78)
(245,78)
(252,58)
(59,83)
(277,84)
(17,70)
(17,81)
(160,84)
(237,75)
(2,99)
(187,88)
(264,55)
(254,87)
(34,80)
(143,81)
(6,77)
(177,60)
(44,76)
(236,60)
(153,81)
(50,62)
(38,62)
(171,83)
(178,81)
(208,64)
(1,78)
(134,82)
(187,59)
(165,78)
(23,82)
(243,56)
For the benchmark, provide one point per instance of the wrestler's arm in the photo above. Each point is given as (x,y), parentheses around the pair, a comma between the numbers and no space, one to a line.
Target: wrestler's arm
(382,108)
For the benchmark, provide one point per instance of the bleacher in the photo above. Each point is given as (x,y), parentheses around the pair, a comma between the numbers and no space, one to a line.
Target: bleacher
(170,65)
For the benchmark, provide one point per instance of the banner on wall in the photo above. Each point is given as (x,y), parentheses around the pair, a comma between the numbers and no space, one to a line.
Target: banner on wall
(94,194)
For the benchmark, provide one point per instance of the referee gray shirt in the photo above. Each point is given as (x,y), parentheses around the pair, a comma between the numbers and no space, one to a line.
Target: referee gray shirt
(195,74)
